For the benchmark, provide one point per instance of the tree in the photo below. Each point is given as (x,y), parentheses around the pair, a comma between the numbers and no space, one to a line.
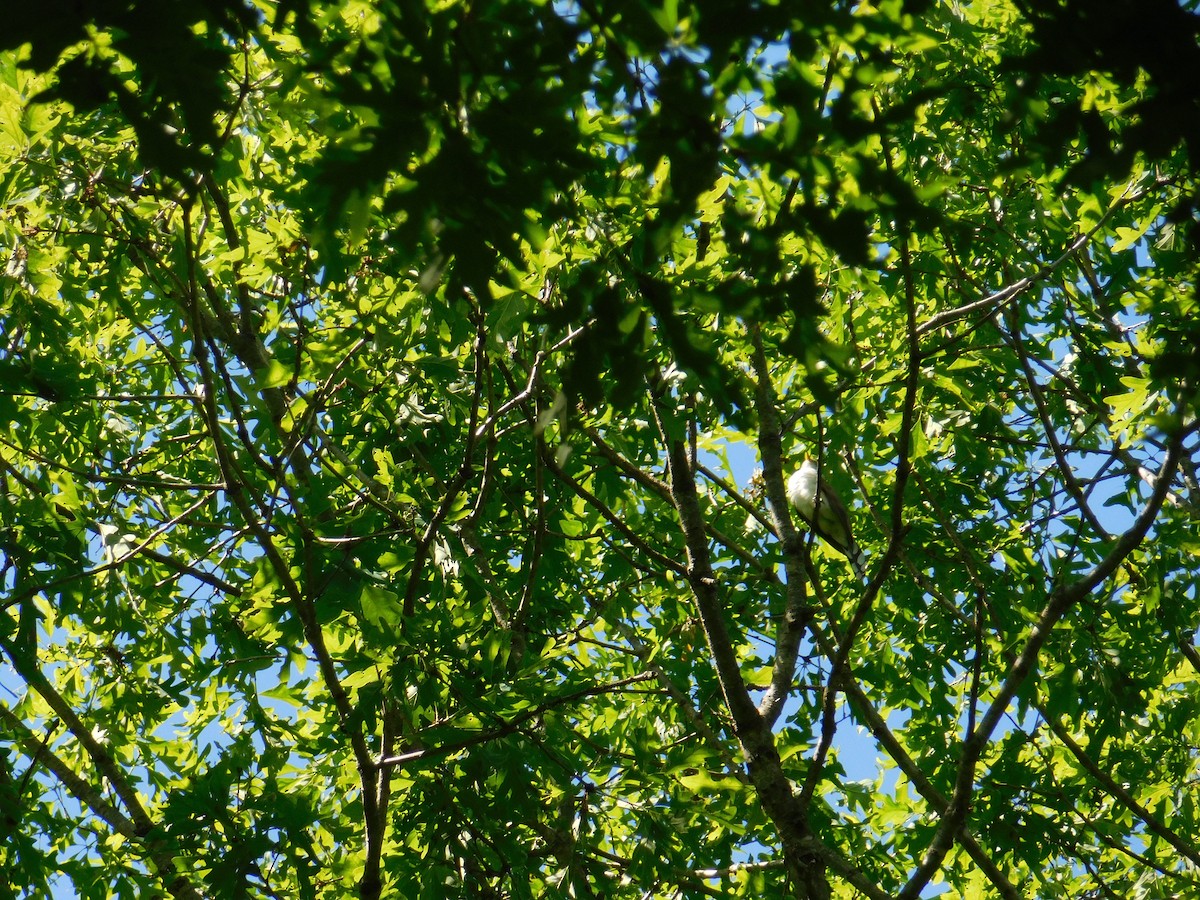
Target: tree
(381,380)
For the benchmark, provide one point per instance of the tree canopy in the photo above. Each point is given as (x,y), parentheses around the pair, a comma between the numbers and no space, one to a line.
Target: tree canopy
(383,383)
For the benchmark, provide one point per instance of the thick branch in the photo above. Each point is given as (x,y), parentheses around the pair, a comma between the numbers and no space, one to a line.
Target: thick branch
(797,612)
(236,492)
(1061,599)
(79,787)
(137,825)
(1122,796)
(894,749)
(753,732)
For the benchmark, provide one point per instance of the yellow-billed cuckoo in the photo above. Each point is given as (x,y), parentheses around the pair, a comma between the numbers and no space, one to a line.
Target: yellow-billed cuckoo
(824,512)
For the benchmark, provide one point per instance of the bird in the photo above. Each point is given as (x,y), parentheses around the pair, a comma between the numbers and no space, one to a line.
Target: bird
(828,516)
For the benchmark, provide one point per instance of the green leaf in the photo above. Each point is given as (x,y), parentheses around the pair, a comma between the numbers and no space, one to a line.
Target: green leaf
(275,375)
(380,607)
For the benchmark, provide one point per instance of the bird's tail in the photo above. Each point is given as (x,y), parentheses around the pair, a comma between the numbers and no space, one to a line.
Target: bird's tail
(858,561)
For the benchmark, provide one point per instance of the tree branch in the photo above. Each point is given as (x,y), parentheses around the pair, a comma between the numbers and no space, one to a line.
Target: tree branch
(988,304)
(1060,600)
(514,724)
(1121,795)
(79,788)
(797,611)
(753,732)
